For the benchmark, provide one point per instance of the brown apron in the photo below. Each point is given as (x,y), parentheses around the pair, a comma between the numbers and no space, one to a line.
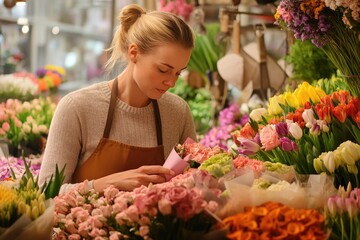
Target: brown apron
(111,156)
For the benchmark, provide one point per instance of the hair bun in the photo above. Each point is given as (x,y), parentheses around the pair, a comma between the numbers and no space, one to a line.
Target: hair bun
(129,15)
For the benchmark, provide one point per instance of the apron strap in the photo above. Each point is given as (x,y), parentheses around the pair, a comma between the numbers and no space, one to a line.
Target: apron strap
(158,123)
(111,110)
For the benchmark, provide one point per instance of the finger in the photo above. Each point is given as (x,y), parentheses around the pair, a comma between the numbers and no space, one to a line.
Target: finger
(156,178)
(156,169)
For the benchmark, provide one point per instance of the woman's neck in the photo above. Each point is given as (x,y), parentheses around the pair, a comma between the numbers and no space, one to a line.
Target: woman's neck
(129,92)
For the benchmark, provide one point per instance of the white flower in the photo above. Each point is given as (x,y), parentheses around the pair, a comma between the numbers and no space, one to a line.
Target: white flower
(258,113)
(295,130)
(329,161)
(308,116)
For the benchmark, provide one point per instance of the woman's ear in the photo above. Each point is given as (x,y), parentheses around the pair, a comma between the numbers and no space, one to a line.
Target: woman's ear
(133,52)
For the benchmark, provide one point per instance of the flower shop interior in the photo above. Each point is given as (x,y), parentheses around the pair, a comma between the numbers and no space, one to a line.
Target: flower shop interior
(272,87)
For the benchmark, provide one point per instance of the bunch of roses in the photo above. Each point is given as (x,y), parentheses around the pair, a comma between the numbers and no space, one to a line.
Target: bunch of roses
(196,151)
(162,211)
(273,220)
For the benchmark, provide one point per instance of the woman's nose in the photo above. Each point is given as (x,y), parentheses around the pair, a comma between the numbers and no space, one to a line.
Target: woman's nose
(170,82)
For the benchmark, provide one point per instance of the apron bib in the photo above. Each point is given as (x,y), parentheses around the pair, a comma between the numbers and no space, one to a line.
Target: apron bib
(111,156)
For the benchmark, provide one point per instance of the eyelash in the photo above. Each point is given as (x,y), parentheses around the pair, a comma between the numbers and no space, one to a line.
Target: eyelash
(167,71)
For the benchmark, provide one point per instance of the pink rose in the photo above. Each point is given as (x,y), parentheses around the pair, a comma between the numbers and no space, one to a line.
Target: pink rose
(119,206)
(84,229)
(144,220)
(269,138)
(132,213)
(5,126)
(61,206)
(96,232)
(106,210)
(70,226)
(185,210)
(120,218)
(144,230)
(212,206)
(165,206)
(114,235)
(110,192)
(74,237)
(176,194)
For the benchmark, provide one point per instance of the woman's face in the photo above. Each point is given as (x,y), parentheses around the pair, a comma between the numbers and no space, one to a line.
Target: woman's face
(157,71)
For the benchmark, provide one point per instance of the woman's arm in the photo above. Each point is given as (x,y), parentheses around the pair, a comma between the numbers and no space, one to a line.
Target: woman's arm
(63,144)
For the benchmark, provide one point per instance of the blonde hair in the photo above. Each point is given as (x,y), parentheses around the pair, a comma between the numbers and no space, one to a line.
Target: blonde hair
(147,31)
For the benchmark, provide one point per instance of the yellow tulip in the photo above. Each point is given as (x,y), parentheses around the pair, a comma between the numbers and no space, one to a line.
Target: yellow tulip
(273,105)
(291,100)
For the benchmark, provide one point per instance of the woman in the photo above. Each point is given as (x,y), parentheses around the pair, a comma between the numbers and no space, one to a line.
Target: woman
(119,132)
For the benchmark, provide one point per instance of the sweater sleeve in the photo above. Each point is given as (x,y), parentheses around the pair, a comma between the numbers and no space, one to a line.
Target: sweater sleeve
(63,145)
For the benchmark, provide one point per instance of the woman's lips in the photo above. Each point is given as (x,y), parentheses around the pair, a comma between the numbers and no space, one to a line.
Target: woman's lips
(161,91)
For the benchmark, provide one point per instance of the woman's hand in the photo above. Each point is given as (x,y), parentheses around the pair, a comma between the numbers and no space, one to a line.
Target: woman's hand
(128,180)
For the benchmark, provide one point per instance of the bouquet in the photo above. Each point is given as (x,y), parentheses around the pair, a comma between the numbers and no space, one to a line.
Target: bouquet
(171,210)
(188,154)
(342,163)
(273,220)
(297,137)
(50,77)
(331,25)
(26,209)
(21,86)
(342,214)
(25,125)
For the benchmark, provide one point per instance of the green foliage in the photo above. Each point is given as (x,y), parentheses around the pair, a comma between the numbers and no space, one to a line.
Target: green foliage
(309,62)
(332,84)
(199,101)
(50,189)
(207,51)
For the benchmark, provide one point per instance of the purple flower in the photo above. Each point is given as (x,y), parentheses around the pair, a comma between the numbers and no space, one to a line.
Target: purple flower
(285,144)
(244,119)
(295,147)
(282,129)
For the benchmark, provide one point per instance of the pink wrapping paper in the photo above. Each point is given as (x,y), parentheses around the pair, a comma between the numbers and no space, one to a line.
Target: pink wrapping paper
(175,162)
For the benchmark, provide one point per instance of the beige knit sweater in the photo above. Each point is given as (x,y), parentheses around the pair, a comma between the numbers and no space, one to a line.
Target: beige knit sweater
(80,118)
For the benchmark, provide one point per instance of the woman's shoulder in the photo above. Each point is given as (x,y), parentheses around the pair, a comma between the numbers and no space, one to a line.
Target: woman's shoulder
(93,93)
(173,102)
(171,99)
(86,99)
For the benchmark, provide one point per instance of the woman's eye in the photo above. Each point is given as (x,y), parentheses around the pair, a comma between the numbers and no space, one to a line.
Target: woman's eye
(162,71)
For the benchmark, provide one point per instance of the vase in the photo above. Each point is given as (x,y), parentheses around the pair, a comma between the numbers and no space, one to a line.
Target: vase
(26,149)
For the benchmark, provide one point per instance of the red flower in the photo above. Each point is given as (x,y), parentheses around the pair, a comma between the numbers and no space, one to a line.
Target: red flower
(247,132)
(327,100)
(340,96)
(323,112)
(352,107)
(307,105)
(357,118)
(340,112)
